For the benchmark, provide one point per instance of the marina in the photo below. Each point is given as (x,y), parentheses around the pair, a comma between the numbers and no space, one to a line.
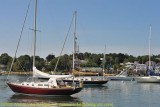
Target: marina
(51,53)
(114,93)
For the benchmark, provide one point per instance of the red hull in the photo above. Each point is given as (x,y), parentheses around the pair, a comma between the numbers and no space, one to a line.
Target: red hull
(43,91)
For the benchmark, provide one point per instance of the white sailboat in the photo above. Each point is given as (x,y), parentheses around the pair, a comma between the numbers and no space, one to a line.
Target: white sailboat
(34,86)
(150,78)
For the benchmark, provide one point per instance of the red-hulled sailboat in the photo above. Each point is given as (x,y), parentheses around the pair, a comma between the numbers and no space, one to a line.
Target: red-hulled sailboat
(54,86)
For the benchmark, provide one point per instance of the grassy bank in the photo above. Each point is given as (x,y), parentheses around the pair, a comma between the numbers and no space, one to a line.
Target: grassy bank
(16,73)
(76,73)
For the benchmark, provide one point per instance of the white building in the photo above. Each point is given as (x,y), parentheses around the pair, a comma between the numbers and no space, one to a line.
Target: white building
(141,67)
(130,65)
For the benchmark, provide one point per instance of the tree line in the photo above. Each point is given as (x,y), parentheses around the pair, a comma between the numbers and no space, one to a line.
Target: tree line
(24,62)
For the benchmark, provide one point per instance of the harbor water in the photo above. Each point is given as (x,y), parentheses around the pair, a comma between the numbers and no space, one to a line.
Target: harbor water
(112,94)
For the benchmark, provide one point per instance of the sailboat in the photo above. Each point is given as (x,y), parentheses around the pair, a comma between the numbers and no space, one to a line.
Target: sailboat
(86,80)
(34,86)
(150,78)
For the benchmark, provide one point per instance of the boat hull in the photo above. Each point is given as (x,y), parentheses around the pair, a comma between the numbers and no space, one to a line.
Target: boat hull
(43,91)
(100,82)
(116,78)
(149,79)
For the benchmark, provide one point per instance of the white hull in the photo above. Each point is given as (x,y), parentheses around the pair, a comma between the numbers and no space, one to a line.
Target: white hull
(122,76)
(148,79)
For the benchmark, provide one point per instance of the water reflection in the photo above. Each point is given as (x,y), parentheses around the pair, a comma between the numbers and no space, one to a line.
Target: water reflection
(96,86)
(94,89)
(20,98)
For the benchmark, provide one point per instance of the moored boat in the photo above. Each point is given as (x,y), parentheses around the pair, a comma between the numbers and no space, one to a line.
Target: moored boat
(50,87)
(148,79)
(87,80)
(122,76)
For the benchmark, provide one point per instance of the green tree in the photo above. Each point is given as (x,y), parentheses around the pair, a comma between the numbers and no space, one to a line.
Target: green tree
(39,62)
(5,58)
(25,62)
(22,63)
(64,63)
(50,57)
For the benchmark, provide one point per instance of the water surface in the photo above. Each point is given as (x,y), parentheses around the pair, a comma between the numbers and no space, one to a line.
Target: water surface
(114,93)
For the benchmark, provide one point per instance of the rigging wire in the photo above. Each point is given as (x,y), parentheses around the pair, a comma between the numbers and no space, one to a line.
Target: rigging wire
(20,65)
(19,39)
(64,44)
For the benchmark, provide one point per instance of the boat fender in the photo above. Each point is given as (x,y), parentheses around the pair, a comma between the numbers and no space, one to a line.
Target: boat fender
(81,84)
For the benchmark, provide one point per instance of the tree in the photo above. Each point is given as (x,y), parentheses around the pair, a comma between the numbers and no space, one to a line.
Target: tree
(87,55)
(23,63)
(81,56)
(5,58)
(98,60)
(39,62)
(50,57)
(121,57)
(64,63)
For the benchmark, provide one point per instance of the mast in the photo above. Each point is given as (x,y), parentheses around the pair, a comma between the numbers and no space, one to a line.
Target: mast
(104,60)
(150,29)
(74,41)
(35,22)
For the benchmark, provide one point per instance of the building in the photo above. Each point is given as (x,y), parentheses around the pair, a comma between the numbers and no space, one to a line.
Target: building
(130,65)
(141,67)
(3,67)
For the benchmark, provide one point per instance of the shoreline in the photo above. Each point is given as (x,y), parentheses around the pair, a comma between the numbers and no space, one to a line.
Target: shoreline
(75,73)
(16,73)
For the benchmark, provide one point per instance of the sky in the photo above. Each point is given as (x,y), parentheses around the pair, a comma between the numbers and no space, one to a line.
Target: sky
(121,25)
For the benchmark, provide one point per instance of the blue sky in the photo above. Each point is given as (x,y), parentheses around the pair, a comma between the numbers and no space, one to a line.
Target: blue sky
(123,25)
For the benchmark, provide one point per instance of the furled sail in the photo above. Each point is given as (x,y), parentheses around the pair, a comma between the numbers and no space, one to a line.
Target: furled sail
(39,74)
